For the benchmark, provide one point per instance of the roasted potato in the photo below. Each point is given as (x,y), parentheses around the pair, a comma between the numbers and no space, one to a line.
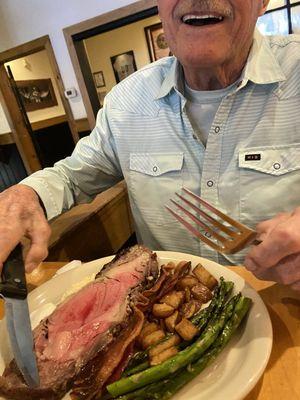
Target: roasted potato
(183,267)
(173,299)
(187,282)
(164,345)
(153,338)
(165,355)
(172,321)
(186,329)
(148,328)
(205,277)
(187,310)
(201,292)
(188,295)
(162,310)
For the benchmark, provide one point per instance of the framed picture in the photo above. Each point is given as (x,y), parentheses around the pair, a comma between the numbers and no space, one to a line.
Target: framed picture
(37,94)
(99,79)
(156,41)
(123,65)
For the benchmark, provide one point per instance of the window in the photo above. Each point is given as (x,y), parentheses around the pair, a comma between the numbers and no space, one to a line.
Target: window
(281,18)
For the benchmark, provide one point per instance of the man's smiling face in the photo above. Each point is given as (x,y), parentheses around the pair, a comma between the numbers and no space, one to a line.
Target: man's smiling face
(209,33)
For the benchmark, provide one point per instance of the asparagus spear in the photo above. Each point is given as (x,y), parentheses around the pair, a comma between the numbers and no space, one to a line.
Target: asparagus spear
(193,370)
(182,359)
(166,388)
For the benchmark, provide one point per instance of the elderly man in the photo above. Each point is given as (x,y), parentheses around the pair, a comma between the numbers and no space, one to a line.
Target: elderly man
(221,118)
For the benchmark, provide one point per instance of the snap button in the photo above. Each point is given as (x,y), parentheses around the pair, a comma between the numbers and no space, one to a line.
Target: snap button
(155,169)
(210,183)
(217,129)
(207,234)
(276,166)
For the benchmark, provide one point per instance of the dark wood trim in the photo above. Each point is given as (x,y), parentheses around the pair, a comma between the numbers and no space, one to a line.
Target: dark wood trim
(82,125)
(16,121)
(24,142)
(24,49)
(87,76)
(78,73)
(45,123)
(61,88)
(6,138)
(90,27)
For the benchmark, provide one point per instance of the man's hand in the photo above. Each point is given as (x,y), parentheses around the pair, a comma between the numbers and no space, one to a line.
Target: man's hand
(277,258)
(21,215)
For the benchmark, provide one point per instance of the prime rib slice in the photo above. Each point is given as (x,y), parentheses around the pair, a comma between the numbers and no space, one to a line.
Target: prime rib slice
(84,325)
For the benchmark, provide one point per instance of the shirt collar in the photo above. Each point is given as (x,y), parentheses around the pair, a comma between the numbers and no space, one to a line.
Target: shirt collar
(262,68)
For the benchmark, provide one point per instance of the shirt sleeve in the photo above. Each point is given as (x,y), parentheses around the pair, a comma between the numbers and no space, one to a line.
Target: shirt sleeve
(92,168)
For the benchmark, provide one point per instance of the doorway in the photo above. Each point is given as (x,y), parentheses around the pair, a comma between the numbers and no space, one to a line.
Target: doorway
(80,38)
(32,97)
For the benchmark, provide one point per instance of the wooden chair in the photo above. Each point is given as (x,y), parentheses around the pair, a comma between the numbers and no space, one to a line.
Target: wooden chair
(94,230)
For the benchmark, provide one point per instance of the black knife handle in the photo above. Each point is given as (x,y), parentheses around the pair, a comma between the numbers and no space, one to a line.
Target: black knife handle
(13,281)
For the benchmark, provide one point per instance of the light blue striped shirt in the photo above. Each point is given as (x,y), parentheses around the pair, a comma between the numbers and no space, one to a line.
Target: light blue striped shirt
(143,135)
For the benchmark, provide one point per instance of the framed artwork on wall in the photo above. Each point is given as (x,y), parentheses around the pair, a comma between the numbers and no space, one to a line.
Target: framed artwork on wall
(99,79)
(156,41)
(37,94)
(123,65)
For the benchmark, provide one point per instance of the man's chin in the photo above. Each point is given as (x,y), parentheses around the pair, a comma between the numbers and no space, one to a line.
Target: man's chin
(203,60)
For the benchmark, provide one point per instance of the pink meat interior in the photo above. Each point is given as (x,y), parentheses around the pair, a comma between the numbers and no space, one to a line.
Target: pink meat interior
(75,325)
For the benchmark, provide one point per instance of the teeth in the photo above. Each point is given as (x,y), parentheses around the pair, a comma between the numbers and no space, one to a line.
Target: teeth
(191,16)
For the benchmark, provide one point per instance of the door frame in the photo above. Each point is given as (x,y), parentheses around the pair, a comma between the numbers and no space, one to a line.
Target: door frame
(15,119)
(75,34)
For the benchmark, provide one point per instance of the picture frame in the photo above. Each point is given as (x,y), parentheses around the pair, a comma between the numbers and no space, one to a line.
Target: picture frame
(99,79)
(156,42)
(36,94)
(123,65)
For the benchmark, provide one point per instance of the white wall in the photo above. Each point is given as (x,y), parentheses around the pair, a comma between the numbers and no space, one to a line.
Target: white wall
(24,20)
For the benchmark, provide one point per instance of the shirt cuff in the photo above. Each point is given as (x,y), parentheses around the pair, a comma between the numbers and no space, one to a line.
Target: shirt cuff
(41,188)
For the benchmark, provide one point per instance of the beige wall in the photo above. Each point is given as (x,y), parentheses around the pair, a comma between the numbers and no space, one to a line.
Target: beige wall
(130,37)
(38,67)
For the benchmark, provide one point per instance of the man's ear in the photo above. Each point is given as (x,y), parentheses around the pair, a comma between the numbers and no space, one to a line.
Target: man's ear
(265,4)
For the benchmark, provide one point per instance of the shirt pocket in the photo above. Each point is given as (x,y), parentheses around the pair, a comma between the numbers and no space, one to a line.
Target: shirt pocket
(154,179)
(269,181)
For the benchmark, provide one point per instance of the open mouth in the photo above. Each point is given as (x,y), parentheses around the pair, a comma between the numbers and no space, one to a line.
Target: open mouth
(201,20)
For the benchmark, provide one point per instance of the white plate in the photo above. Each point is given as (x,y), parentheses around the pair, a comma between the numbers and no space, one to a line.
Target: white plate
(233,374)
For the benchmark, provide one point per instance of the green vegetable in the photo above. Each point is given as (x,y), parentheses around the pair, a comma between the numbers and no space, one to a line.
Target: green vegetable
(182,359)
(166,388)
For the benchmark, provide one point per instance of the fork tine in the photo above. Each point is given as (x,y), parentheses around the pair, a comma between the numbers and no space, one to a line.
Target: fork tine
(218,224)
(194,231)
(199,222)
(225,217)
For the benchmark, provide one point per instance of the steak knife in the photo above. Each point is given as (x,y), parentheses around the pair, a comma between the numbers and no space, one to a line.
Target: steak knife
(14,291)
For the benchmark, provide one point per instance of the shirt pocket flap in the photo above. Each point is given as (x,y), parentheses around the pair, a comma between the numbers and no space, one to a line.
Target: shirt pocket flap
(273,160)
(156,164)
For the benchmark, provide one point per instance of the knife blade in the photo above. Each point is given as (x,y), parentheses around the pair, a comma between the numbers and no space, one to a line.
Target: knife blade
(14,291)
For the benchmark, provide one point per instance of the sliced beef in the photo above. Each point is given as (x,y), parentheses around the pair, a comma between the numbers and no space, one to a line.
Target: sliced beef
(85,325)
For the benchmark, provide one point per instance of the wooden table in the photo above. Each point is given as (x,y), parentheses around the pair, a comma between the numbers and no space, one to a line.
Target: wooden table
(281,380)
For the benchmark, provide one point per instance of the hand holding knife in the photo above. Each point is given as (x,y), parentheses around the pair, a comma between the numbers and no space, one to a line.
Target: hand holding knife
(14,291)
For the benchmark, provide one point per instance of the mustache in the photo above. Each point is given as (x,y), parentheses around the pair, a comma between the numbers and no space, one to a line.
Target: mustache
(207,6)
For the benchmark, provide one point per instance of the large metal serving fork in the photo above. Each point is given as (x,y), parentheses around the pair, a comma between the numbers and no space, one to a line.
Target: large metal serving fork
(223,233)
